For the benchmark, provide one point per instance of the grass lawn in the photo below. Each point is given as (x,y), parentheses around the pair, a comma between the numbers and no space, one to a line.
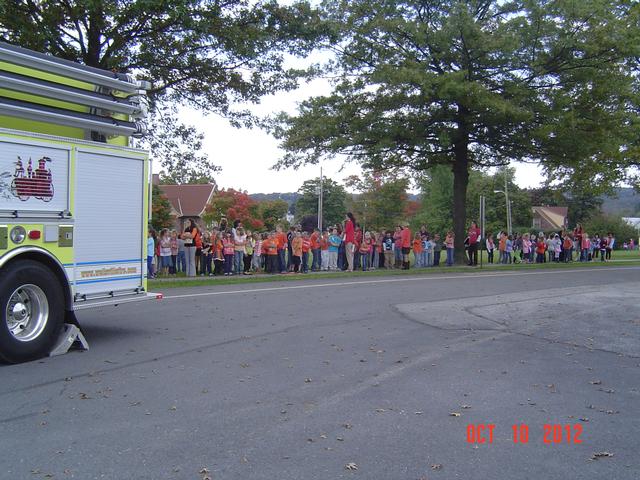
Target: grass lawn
(619,258)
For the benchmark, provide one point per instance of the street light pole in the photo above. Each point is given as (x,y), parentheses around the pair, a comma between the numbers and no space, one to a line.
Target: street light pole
(508,204)
(506,194)
(320,202)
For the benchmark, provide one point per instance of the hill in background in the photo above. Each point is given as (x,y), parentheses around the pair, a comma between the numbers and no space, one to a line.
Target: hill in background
(626,203)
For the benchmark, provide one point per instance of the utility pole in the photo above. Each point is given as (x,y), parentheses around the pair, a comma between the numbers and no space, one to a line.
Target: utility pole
(320,190)
(506,194)
(482,228)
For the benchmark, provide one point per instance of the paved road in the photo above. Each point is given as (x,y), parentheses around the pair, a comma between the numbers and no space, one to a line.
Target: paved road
(297,380)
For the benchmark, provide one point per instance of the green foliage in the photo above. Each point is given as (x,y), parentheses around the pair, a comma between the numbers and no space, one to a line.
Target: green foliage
(178,149)
(334,199)
(437,194)
(207,54)
(471,84)
(161,216)
(382,201)
(602,224)
(436,200)
(273,212)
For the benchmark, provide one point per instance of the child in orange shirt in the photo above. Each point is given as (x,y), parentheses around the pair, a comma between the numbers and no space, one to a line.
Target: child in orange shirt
(306,247)
(271,247)
(296,247)
(417,251)
(363,249)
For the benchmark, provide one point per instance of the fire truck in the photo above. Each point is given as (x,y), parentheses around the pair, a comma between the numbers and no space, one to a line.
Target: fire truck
(74,198)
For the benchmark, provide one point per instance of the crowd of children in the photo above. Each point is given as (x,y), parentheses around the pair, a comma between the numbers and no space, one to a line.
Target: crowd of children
(233,250)
(563,246)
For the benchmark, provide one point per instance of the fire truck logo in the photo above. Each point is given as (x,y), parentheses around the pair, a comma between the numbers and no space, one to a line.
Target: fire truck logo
(29,183)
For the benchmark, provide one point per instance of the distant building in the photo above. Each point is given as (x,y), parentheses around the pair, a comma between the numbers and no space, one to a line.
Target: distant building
(187,201)
(633,221)
(550,218)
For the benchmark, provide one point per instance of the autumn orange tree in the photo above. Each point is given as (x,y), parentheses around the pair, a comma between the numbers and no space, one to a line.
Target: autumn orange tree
(234,205)
(161,215)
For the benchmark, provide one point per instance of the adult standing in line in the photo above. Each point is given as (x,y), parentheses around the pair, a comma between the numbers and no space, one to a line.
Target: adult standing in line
(405,238)
(190,232)
(577,237)
(349,239)
(397,246)
(239,250)
(197,241)
(316,262)
(281,242)
(474,237)
(291,234)
(611,240)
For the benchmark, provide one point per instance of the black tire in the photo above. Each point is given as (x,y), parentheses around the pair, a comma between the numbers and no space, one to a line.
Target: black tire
(31,276)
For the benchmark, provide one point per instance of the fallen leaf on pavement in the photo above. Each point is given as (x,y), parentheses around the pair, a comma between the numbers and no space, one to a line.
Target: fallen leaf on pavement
(598,455)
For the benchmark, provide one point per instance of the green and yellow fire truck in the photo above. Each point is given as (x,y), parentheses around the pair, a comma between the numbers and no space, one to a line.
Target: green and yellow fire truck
(74,198)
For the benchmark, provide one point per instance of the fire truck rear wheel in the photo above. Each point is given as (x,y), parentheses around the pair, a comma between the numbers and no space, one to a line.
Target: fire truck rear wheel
(31,310)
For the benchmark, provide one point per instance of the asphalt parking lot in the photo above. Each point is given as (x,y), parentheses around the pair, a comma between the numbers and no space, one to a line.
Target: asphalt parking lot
(325,379)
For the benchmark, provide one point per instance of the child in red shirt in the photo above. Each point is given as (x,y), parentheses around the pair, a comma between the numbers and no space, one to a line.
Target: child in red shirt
(541,247)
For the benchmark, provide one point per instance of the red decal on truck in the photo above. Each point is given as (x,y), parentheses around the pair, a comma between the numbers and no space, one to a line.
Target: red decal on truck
(36,183)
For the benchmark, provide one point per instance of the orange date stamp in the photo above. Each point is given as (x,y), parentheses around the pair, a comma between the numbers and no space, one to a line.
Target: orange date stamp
(552,434)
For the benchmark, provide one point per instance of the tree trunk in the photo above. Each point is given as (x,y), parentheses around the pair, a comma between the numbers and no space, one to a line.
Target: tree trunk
(460,181)
(94,36)
(460,170)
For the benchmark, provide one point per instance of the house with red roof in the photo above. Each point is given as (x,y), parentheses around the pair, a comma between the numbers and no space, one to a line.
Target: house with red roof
(550,218)
(187,201)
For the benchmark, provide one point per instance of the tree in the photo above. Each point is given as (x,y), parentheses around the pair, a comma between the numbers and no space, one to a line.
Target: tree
(273,212)
(333,200)
(474,84)
(161,215)
(437,194)
(436,200)
(178,148)
(382,201)
(583,203)
(602,224)
(207,54)
(233,205)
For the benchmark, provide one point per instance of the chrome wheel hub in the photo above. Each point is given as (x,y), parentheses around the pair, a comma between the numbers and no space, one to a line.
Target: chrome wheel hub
(27,312)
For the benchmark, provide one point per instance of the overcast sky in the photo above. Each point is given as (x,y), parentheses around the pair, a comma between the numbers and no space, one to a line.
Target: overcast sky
(247,155)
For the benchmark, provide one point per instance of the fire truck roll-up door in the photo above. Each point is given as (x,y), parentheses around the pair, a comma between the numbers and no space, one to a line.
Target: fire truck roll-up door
(109,210)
